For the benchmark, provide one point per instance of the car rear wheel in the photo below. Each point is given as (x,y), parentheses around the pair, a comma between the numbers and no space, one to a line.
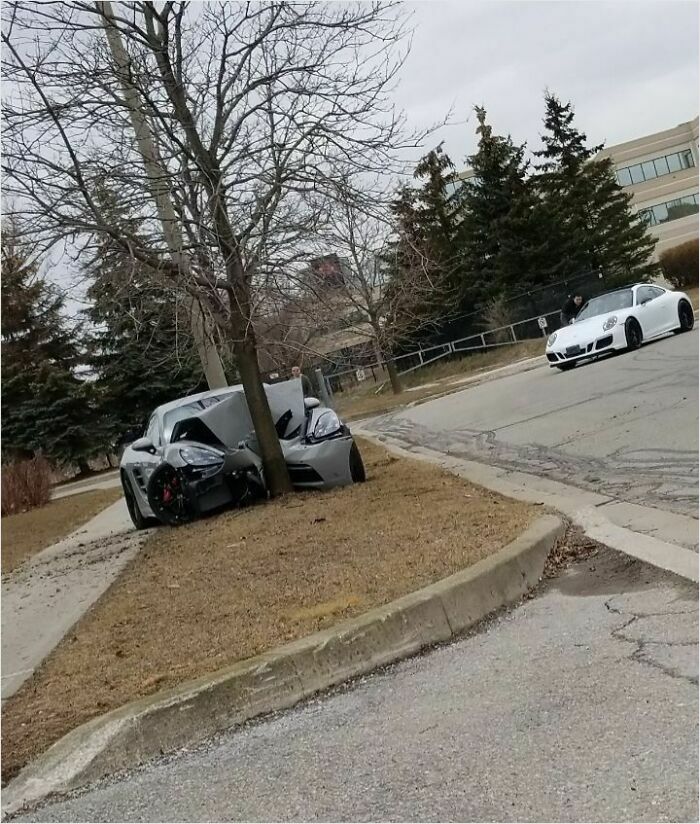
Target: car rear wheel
(566,366)
(633,334)
(357,467)
(686,317)
(167,496)
(139,521)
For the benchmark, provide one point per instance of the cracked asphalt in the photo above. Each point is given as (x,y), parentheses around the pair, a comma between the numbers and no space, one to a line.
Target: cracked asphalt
(580,704)
(625,427)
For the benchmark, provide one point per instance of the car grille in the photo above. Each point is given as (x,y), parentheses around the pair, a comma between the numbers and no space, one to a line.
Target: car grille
(603,342)
(552,357)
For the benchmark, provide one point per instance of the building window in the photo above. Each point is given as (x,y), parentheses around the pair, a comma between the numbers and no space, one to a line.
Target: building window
(671,210)
(659,166)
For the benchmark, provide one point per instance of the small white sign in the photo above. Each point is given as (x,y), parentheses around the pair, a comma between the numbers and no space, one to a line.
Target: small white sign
(542,323)
(274,376)
(360,374)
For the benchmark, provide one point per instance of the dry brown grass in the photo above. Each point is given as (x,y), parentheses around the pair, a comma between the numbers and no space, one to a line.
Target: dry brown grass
(27,533)
(226,588)
(363,401)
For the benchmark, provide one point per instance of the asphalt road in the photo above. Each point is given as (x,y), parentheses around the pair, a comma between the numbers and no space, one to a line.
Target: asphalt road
(625,426)
(579,705)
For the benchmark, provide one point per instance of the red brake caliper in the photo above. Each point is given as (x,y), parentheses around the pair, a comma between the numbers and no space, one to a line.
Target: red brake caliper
(167,491)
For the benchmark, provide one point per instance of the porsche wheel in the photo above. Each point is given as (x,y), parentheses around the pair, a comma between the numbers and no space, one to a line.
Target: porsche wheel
(633,334)
(686,317)
(167,496)
(357,467)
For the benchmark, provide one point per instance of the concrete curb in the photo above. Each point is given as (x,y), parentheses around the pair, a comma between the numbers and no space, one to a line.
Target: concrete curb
(192,712)
(583,508)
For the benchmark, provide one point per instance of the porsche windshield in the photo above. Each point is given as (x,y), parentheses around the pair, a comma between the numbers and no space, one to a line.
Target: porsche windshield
(604,304)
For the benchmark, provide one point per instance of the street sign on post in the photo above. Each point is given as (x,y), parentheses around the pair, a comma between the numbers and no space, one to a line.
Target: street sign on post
(542,323)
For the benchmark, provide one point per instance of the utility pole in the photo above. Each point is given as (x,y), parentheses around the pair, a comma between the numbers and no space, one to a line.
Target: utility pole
(160,191)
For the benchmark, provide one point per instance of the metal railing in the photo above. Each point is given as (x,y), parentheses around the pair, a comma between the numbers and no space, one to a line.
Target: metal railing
(421,357)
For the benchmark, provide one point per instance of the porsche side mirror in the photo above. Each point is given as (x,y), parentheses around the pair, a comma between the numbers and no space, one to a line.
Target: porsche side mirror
(143,445)
(311,403)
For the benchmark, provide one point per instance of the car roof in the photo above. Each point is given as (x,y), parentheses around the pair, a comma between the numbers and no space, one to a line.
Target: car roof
(210,393)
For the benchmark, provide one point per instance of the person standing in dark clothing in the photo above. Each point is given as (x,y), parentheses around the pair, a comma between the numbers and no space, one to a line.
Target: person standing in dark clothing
(571,309)
(306,387)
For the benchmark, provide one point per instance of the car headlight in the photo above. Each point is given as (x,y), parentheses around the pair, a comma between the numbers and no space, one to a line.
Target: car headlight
(551,339)
(609,323)
(196,456)
(327,424)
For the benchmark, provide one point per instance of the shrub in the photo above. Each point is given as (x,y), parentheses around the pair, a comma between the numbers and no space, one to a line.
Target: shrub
(25,485)
(498,314)
(680,265)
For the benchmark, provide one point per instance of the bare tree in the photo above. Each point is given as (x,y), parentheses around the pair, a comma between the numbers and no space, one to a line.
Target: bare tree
(390,288)
(247,115)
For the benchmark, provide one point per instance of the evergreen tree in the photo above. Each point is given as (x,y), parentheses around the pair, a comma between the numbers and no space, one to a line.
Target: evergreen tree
(599,229)
(138,346)
(507,233)
(427,225)
(46,407)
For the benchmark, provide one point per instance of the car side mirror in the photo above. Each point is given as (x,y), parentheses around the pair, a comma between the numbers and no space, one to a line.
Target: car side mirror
(143,445)
(311,403)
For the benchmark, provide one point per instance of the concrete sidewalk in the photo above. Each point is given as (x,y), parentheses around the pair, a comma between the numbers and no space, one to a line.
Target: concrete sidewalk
(106,480)
(43,598)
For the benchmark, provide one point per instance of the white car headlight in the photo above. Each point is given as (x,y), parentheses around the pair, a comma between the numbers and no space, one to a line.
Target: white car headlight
(196,456)
(551,339)
(609,323)
(328,423)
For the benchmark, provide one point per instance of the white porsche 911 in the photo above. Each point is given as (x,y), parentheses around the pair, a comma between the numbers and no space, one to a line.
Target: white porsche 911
(620,320)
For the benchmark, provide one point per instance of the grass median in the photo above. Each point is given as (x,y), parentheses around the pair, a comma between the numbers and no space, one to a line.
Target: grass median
(27,533)
(225,588)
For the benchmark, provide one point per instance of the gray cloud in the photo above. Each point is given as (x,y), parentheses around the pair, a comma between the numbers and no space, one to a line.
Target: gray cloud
(630,68)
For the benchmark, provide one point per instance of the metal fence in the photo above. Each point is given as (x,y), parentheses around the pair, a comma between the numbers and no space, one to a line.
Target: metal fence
(527,329)
(465,334)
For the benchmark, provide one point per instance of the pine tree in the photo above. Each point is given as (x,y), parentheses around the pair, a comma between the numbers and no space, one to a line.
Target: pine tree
(599,229)
(46,407)
(138,345)
(507,232)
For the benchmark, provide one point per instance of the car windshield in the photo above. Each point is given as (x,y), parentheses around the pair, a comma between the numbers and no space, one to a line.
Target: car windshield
(602,305)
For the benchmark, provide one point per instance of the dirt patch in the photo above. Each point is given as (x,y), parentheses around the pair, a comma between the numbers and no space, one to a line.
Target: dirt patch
(27,533)
(429,381)
(226,588)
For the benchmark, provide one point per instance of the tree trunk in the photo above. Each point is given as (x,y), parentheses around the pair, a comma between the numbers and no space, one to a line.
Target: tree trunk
(394,378)
(160,191)
(276,472)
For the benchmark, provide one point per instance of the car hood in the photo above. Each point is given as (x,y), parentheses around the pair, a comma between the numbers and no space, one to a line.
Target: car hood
(584,331)
(230,420)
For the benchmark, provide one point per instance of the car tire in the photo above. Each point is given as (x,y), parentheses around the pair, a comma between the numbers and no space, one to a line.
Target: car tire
(566,366)
(137,518)
(167,480)
(357,467)
(686,317)
(633,334)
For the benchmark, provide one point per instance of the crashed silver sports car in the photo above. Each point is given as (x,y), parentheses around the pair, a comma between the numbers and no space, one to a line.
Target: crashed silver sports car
(200,453)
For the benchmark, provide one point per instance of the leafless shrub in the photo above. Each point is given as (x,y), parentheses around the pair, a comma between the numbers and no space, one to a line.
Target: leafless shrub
(25,485)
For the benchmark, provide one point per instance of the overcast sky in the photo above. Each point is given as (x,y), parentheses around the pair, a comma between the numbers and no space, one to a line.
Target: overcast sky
(629,67)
